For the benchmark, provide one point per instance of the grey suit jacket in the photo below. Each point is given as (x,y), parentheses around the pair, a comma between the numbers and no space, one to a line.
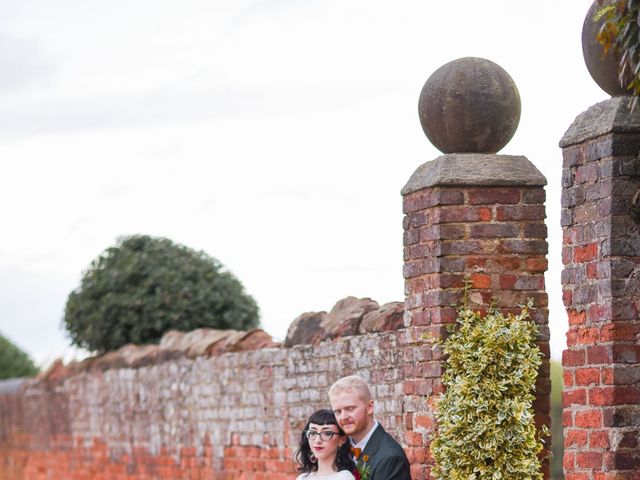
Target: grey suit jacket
(386,457)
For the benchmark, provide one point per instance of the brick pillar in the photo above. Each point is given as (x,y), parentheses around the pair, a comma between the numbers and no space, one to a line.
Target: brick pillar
(601,292)
(476,216)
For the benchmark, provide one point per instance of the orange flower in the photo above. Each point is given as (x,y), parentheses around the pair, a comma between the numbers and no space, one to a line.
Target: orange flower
(363,471)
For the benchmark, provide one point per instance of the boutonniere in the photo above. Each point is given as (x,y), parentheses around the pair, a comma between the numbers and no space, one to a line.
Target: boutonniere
(363,471)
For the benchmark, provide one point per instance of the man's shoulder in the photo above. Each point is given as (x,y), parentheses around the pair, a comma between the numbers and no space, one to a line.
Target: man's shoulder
(386,446)
(388,460)
(387,441)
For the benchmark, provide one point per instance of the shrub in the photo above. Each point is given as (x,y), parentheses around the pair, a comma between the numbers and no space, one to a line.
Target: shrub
(486,426)
(143,286)
(14,362)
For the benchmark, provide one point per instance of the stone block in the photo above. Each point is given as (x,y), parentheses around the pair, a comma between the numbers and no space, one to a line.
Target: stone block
(387,317)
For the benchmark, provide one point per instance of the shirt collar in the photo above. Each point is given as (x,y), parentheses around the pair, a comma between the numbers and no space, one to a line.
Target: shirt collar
(363,443)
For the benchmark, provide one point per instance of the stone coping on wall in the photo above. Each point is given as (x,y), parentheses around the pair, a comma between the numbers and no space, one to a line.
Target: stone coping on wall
(613,115)
(11,385)
(475,169)
(349,316)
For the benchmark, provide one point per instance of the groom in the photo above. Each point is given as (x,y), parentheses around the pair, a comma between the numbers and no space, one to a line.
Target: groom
(352,404)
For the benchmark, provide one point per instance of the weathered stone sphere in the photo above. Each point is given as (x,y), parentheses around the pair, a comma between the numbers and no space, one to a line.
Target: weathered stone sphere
(602,68)
(469,105)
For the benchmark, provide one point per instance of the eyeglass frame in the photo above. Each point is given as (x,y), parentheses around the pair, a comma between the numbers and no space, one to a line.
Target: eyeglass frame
(321,435)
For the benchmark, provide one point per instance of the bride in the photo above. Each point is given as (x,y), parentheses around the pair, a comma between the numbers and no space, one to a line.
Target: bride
(324,449)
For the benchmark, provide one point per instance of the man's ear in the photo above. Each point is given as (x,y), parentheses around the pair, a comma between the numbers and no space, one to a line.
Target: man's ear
(370,408)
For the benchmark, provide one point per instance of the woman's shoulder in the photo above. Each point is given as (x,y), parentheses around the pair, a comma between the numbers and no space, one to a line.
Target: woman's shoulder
(344,475)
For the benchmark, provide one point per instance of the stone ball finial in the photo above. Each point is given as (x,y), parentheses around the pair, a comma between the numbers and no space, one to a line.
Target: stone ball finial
(602,67)
(469,105)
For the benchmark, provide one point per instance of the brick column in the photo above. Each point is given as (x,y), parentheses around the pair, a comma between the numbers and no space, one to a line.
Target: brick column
(476,216)
(601,292)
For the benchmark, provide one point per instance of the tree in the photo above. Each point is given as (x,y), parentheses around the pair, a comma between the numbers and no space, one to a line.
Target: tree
(14,362)
(143,286)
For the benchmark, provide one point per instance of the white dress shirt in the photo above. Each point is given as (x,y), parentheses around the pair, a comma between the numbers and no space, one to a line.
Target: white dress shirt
(363,443)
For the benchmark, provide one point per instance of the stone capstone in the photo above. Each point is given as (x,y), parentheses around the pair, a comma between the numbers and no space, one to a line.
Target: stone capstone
(609,116)
(306,329)
(389,316)
(349,316)
(202,342)
(255,339)
(475,169)
(345,316)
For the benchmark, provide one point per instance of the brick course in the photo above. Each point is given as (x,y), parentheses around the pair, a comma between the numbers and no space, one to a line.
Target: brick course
(601,256)
(235,416)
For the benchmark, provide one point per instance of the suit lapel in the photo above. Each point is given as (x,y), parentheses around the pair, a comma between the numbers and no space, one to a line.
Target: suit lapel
(374,442)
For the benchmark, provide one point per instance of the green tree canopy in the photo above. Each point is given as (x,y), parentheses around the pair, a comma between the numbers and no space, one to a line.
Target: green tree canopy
(143,286)
(14,362)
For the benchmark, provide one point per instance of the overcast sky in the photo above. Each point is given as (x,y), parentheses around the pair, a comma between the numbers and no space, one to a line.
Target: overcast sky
(273,134)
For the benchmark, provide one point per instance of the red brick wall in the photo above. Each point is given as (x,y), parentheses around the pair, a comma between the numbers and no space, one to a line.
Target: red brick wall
(601,292)
(495,237)
(236,416)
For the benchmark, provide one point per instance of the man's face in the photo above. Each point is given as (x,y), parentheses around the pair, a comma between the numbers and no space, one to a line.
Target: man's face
(354,414)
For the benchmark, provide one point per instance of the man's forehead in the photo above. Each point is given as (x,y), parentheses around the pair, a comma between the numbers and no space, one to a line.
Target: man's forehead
(344,397)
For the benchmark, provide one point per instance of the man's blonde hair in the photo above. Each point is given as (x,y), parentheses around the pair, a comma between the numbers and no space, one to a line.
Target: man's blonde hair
(352,383)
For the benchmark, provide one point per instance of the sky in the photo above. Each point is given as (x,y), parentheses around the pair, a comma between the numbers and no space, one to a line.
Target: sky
(275,135)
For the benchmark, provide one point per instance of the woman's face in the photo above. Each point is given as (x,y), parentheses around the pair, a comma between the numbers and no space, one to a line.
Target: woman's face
(321,448)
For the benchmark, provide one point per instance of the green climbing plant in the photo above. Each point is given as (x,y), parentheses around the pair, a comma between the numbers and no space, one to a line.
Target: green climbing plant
(486,427)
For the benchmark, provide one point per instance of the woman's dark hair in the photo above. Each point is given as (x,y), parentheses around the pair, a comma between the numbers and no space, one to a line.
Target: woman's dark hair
(303,455)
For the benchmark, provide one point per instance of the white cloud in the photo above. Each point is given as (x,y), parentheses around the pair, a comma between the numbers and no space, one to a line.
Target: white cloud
(169,107)
(275,135)
(23,64)
(31,304)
